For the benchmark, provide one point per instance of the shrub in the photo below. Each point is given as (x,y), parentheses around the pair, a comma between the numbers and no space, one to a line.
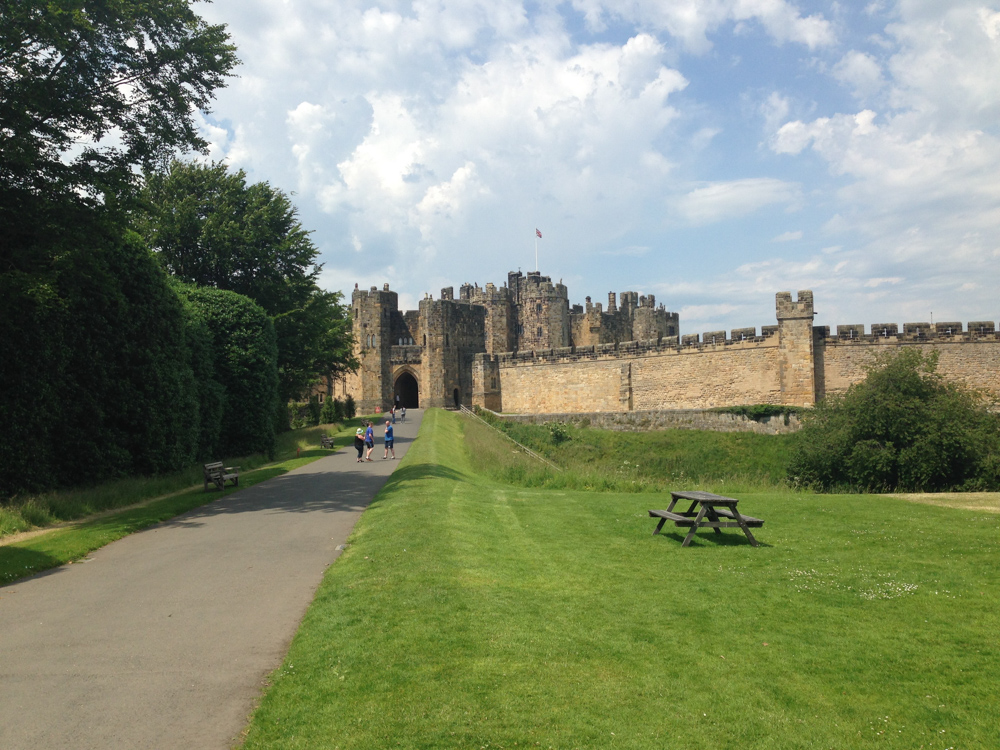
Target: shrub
(902,428)
(314,411)
(558,433)
(246,367)
(350,408)
(332,411)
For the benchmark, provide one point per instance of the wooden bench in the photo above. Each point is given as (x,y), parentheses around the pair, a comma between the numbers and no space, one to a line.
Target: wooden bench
(666,515)
(750,520)
(218,475)
(326,441)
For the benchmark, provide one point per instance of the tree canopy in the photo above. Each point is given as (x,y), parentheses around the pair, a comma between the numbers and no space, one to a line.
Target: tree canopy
(902,428)
(90,88)
(211,228)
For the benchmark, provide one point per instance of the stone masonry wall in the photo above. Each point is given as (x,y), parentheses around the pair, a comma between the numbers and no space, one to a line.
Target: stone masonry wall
(641,376)
(972,360)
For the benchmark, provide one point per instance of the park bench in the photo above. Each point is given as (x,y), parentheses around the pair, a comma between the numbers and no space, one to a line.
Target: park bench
(708,516)
(326,441)
(218,475)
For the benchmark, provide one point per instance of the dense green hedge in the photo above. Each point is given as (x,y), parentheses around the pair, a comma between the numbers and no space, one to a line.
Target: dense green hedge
(106,371)
(246,366)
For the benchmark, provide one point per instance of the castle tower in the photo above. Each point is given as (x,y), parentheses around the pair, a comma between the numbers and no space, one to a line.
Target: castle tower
(451,333)
(795,348)
(373,313)
(542,313)
(501,321)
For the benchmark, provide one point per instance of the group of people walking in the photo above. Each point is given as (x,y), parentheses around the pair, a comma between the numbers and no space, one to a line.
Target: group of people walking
(364,442)
(364,438)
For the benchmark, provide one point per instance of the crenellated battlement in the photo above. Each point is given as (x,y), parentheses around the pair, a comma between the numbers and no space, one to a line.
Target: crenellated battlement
(786,309)
(911,332)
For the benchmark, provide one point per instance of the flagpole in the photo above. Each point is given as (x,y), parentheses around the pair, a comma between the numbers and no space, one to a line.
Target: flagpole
(536,250)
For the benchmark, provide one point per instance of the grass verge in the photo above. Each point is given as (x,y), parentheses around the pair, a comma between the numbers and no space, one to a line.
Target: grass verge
(73,542)
(51,508)
(471,614)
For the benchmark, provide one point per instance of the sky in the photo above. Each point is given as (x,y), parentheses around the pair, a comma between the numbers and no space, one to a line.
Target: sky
(710,152)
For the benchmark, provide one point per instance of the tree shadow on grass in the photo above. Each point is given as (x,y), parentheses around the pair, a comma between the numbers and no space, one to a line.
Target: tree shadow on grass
(18,562)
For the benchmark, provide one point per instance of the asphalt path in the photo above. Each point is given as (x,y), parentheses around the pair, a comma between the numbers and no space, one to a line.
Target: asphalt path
(163,639)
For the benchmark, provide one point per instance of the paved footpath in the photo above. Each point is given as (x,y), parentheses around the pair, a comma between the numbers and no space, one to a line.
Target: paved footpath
(163,639)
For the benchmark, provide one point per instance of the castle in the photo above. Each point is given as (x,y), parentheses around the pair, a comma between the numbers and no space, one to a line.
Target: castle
(523,348)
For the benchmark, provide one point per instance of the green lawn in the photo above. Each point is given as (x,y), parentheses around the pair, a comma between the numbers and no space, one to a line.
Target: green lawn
(472,614)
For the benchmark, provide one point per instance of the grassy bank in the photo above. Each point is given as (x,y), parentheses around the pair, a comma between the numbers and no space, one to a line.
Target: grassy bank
(153,500)
(606,460)
(27,513)
(470,613)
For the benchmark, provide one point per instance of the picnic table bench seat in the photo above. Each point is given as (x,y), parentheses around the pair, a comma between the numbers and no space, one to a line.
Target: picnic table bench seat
(326,441)
(751,521)
(218,475)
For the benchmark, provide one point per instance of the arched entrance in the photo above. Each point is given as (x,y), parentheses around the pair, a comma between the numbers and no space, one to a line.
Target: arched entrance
(407,390)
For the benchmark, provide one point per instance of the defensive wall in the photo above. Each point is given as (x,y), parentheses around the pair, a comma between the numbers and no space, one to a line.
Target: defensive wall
(521,348)
(792,363)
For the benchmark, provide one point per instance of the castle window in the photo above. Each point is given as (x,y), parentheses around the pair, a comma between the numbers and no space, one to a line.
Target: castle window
(425,339)
(446,340)
(539,331)
(538,307)
(373,339)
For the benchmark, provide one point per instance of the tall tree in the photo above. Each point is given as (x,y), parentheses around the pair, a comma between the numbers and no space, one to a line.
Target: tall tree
(213,229)
(210,228)
(91,88)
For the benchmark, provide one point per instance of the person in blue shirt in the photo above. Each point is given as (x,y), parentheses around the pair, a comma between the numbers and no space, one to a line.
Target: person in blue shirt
(369,441)
(388,442)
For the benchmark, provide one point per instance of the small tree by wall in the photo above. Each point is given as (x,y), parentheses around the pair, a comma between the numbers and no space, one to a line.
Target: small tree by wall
(902,428)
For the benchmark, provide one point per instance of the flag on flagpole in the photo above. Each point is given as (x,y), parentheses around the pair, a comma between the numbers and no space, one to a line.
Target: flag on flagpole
(539,234)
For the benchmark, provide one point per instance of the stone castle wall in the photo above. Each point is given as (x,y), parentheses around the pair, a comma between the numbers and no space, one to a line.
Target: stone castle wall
(792,363)
(641,376)
(521,348)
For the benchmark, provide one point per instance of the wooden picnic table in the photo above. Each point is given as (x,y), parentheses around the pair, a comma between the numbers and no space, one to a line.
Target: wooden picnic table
(713,509)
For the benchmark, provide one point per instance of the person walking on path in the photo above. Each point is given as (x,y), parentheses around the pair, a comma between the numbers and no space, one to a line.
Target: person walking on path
(370,441)
(359,444)
(402,415)
(393,412)
(388,442)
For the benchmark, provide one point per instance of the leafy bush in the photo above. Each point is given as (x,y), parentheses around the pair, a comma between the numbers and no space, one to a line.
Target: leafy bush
(314,411)
(333,411)
(246,366)
(558,432)
(902,428)
(98,371)
(350,408)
